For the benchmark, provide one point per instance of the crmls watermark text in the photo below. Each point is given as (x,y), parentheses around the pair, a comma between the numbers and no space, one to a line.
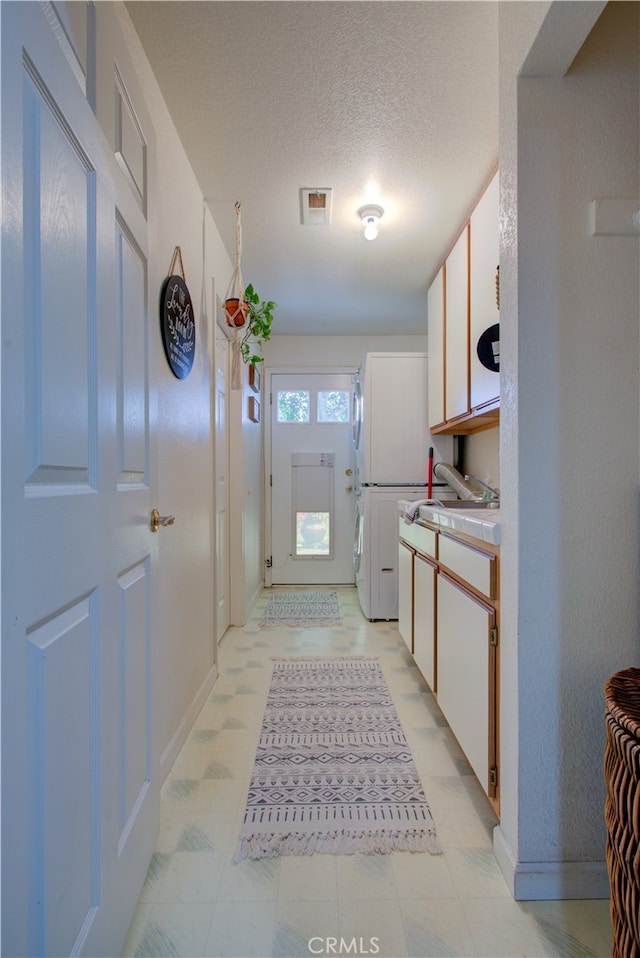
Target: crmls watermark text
(343,946)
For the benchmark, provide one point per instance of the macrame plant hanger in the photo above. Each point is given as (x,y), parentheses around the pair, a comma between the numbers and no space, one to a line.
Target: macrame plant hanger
(236,314)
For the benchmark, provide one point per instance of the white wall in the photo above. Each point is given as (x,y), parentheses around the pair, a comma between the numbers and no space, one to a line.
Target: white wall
(569,439)
(480,455)
(335,350)
(186,649)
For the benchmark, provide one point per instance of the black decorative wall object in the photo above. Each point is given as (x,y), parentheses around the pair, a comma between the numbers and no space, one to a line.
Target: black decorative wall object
(488,348)
(177,324)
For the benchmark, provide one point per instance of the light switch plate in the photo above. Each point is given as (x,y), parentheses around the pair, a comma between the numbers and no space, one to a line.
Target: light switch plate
(615,217)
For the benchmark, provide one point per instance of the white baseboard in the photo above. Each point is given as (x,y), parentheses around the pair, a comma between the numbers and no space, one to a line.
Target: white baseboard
(550,881)
(171,749)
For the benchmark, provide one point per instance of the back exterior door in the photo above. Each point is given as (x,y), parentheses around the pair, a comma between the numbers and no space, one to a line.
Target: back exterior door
(80,800)
(312,483)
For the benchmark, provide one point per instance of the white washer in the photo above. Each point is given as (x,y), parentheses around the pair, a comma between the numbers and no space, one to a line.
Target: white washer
(375,551)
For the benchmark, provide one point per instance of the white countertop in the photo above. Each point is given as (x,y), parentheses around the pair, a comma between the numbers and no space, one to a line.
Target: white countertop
(483,524)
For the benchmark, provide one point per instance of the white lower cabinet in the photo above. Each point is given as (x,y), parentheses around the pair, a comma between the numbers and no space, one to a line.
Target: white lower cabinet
(467,675)
(424,618)
(448,617)
(405,593)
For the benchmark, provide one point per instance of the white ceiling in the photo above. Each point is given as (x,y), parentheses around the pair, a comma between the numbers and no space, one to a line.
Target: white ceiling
(394,103)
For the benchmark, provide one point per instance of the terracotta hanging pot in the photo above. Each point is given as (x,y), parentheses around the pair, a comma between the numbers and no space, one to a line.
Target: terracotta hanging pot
(236,311)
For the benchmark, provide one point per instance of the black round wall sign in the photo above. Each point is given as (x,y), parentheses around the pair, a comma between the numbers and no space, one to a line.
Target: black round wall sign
(177,326)
(488,348)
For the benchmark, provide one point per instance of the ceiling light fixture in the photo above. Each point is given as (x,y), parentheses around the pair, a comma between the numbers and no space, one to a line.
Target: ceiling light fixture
(370,216)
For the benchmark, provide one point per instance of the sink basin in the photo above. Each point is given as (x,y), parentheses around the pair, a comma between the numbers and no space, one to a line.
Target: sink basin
(470,504)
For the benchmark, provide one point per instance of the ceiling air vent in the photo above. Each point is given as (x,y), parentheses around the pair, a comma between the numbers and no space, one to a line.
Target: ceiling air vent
(315,207)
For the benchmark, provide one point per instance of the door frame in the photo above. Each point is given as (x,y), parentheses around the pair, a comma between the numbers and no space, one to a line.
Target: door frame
(270,371)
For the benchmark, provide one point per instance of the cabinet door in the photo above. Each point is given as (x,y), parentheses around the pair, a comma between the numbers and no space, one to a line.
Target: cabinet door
(466,674)
(457,329)
(405,594)
(484,260)
(424,619)
(435,344)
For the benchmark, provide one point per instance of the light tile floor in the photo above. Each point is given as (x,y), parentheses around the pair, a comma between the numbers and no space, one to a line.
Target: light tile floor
(196,902)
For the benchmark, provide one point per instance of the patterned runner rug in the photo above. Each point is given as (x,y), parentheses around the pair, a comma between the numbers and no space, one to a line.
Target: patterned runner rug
(333,770)
(301,609)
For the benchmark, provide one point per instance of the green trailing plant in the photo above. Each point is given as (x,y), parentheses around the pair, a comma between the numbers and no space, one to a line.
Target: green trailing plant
(258,325)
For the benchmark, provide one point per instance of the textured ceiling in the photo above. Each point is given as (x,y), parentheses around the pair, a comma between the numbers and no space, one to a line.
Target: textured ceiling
(385,102)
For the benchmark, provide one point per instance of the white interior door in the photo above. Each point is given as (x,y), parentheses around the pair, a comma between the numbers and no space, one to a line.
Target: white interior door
(80,799)
(222,357)
(312,482)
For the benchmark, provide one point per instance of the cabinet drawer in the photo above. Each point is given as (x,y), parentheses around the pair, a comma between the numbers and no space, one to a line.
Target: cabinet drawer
(419,537)
(475,567)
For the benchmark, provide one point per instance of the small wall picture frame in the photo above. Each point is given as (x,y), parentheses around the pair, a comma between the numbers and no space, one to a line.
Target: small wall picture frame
(254,378)
(254,409)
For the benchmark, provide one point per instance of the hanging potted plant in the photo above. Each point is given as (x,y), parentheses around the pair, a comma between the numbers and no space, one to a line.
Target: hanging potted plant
(248,315)
(259,317)
(235,307)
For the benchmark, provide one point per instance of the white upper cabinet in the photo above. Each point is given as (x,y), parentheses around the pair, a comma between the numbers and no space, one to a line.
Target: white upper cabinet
(435,344)
(463,330)
(484,259)
(457,329)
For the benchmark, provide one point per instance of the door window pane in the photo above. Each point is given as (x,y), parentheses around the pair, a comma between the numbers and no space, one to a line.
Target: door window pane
(293,405)
(312,534)
(334,405)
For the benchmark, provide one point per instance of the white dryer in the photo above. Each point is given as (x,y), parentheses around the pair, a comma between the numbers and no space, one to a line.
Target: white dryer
(391,421)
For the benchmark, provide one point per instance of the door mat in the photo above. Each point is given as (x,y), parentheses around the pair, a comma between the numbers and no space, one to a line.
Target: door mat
(302,609)
(333,770)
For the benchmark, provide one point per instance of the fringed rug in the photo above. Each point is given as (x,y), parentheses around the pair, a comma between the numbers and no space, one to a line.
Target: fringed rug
(333,771)
(302,609)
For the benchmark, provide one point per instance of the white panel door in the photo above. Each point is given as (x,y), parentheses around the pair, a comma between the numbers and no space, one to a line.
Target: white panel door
(80,800)
(222,584)
(312,482)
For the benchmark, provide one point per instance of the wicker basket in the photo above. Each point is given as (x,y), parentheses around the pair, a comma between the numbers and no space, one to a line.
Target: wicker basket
(622,809)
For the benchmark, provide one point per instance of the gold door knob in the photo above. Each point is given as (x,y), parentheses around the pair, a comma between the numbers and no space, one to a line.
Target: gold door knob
(157,520)
(348,488)
(348,472)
